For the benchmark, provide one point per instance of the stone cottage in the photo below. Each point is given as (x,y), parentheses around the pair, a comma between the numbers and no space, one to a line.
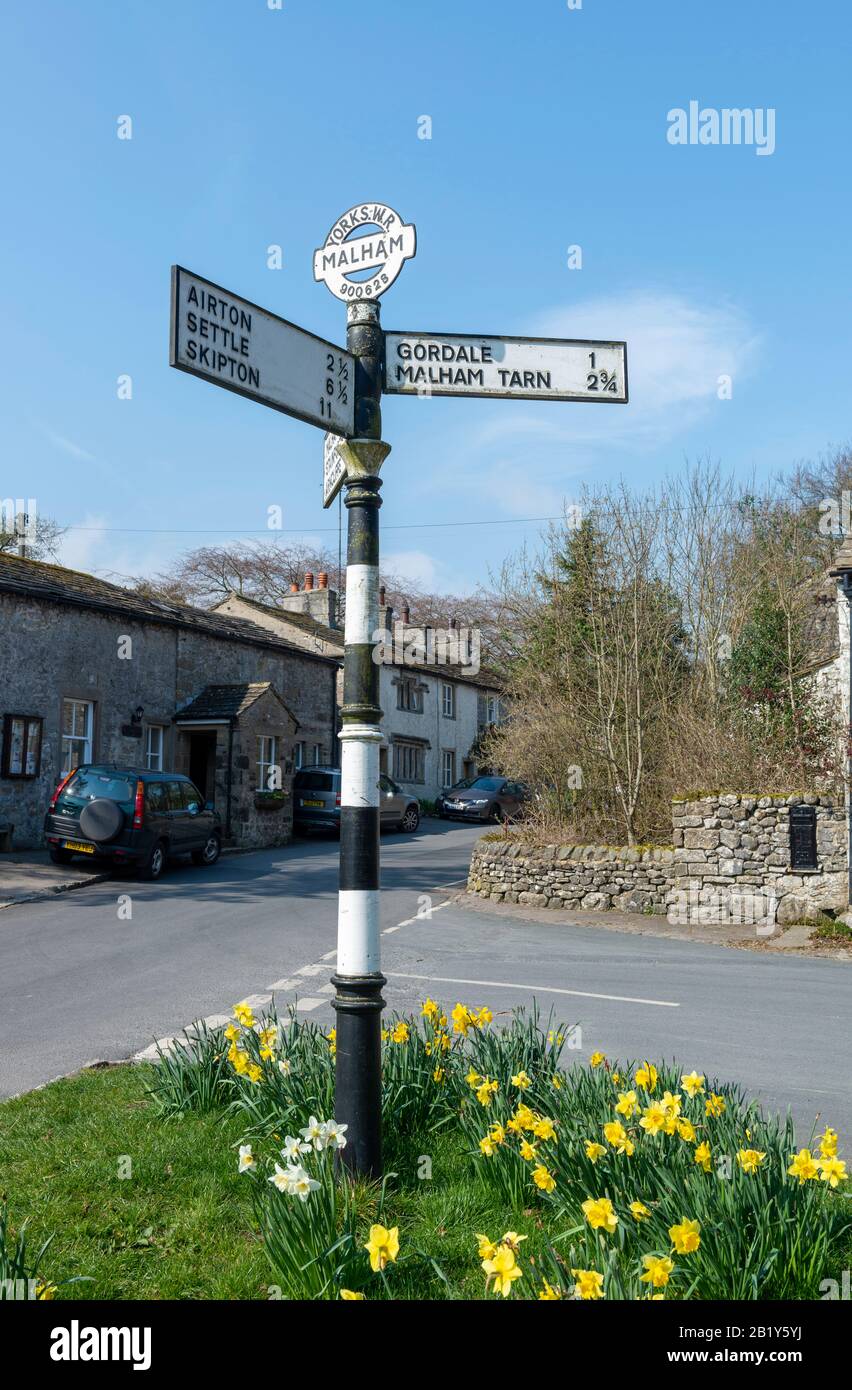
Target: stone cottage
(92,672)
(434,712)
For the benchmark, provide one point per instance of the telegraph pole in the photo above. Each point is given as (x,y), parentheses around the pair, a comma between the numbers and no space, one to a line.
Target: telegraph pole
(358,981)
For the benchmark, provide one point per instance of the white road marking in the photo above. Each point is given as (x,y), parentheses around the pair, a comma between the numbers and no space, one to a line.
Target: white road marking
(304,1006)
(535,989)
(409,921)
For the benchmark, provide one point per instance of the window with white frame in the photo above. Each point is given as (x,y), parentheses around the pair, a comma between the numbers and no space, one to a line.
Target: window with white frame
(448,700)
(448,768)
(493,704)
(408,762)
(409,696)
(298,755)
(78,717)
(316,754)
(268,771)
(154,747)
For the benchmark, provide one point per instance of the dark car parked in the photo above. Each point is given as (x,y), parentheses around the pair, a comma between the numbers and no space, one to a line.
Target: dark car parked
(316,802)
(484,799)
(130,816)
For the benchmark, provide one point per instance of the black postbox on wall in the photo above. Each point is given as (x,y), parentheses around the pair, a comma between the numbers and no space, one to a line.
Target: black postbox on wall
(803,847)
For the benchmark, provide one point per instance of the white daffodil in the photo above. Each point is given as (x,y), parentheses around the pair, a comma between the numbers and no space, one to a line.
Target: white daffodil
(285,1066)
(314,1132)
(301,1183)
(293,1147)
(246,1157)
(281,1178)
(334,1135)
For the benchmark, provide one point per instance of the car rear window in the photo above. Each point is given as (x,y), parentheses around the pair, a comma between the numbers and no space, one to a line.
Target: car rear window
(89,786)
(314,781)
(486,784)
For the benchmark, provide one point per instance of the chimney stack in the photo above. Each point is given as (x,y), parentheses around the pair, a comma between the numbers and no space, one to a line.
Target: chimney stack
(452,624)
(323,580)
(406,613)
(294,588)
(381,595)
(309,582)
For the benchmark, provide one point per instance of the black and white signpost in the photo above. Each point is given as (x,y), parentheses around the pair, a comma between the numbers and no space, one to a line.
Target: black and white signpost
(229,341)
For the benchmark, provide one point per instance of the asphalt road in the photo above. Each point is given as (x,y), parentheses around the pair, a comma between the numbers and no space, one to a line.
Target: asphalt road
(77,982)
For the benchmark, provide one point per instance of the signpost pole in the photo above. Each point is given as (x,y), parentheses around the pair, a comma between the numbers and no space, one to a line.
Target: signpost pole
(358,980)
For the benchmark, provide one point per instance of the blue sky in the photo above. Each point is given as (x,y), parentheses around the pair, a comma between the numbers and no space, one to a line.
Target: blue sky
(255,126)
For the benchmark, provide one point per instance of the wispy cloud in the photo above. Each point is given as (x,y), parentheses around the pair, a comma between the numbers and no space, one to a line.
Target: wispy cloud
(527,455)
(66,445)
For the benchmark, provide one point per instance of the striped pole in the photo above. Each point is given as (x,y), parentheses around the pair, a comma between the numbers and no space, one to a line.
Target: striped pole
(358,979)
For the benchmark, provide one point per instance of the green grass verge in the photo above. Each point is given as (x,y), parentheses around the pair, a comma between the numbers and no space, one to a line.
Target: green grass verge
(181,1226)
(177,1227)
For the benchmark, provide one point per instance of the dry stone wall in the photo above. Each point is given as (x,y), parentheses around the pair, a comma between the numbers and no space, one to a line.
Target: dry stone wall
(729,862)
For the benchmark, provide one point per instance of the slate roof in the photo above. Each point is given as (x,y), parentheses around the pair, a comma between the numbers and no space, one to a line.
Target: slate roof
(217,702)
(303,621)
(55,584)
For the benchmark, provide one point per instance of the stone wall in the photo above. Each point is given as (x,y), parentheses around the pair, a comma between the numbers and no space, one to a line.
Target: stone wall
(732,859)
(592,877)
(730,862)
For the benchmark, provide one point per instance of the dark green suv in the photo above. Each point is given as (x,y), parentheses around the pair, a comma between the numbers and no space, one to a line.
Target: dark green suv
(130,816)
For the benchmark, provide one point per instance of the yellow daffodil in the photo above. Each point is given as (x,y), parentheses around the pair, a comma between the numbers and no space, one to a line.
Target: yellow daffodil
(349,1297)
(589,1284)
(702,1156)
(521,1080)
(232,1032)
(600,1214)
(240,1061)
(832,1170)
(243,1014)
(671,1103)
(512,1239)
(556,1081)
(430,1009)
(714,1105)
(547,1293)
(828,1143)
(616,1135)
(627,1103)
(483,1016)
(486,1091)
(686,1130)
(639,1211)
(803,1166)
(653,1119)
(692,1083)
(544,1179)
(544,1129)
(750,1159)
(497,1134)
(383,1246)
(686,1237)
(473,1079)
(646,1077)
(486,1144)
(502,1269)
(616,1078)
(594,1151)
(487,1248)
(462,1020)
(597,1059)
(528,1151)
(657,1271)
(525,1117)
(45,1292)
(438,1074)
(400,1033)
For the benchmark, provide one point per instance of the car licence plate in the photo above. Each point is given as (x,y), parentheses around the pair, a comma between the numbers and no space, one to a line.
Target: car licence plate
(78,848)
(312,803)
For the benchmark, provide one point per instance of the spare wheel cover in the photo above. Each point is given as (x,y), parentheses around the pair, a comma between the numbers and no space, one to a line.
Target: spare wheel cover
(101,820)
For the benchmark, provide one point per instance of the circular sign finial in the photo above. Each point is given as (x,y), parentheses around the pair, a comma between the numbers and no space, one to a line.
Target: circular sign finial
(369,237)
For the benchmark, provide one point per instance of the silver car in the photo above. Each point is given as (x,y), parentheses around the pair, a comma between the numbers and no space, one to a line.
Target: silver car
(316,802)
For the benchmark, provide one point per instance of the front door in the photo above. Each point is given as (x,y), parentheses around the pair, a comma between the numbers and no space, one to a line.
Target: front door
(202,763)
